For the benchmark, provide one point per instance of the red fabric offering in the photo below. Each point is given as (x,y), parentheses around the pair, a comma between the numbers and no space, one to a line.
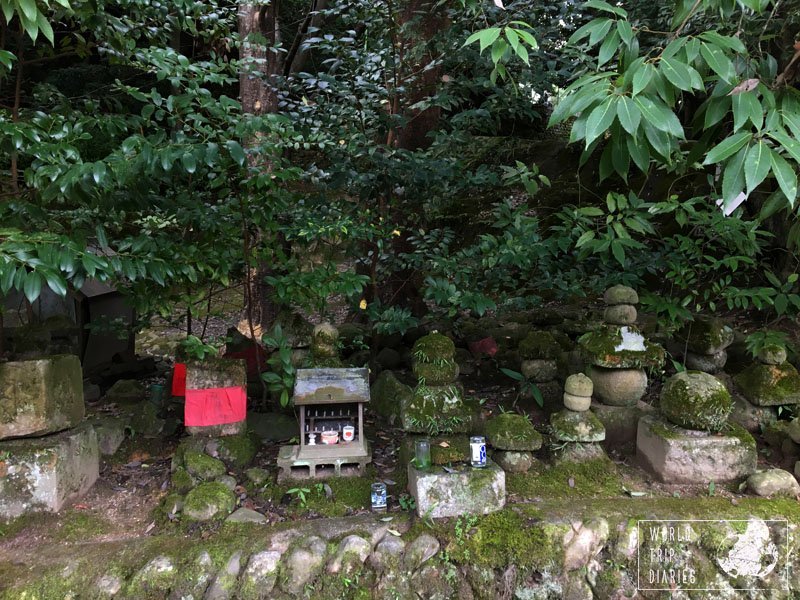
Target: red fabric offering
(179,379)
(485,346)
(215,406)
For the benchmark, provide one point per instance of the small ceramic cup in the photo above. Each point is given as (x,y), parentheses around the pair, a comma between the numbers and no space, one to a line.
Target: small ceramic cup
(330,437)
(348,433)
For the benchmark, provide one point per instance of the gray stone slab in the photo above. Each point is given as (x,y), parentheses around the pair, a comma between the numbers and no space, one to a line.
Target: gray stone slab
(331,386)
(340,461)
(466,491)
(216,373)
(40,396)
(621,422)
(676,455)
(41,474)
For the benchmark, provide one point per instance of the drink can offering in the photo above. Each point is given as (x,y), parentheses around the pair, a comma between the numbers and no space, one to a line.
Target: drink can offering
(477,446)
(378,497)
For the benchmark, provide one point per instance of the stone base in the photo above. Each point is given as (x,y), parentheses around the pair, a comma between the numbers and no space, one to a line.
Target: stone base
(473,491)
(41,474)
(237,428)
(677,455)
(751,417)
(110,433)
(621,422)
(340,461)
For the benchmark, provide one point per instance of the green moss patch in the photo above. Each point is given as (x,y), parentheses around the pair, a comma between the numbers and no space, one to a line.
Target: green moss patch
(696,400)
(539,345)
(449,449)
(597,478)
(80,526)
(436,373)
(434,348)
(706,335)
(599,347)
(512,432)
(203,466)
(770,385)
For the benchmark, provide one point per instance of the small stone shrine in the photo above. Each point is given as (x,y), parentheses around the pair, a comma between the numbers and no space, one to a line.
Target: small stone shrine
(694,442)
(50,454)
(539,353)
(514,440)
(703,344)
(772,381)
(216,397)
(332,440)
(324,349)
(576,424)
(618,355)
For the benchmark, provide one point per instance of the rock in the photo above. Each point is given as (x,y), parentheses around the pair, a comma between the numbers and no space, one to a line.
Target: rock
(224,584)
(228,481)
(125,391)
(449,449)
(193,578)
(350,555)
(272,427)
(212,373)
(706,335)
(579,385)
(769,385)
(438,408)
(108,585)
(387,553)
(210,500)
(514,462)
(772,355)
(389,359)
(539,345)
(615,347)
(387,394)
(709,363)
(620,314)
(620,422)
(259,576)
(324,339)
(773,482)
(110,433)
(577,403)
(235,450)
(40,396)
(246,515)
(793,430)
(572,453)
(752,418)
(508,431)
(420,551)
(583,541)
(258,477)
(433,348)
(203,466)
(620,294)
(577,588)
(618,387)
(41,474)
(145,420)
(181,481)
(696,400)
(678,456)
(466,491)
(153,578)
(569,426)
(304,564)
(539,370)
(440,373)
(91,392)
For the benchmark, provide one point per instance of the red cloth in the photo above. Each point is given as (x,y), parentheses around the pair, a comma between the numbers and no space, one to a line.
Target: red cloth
(485,346)
(215,406)
(179,379)
(255,357)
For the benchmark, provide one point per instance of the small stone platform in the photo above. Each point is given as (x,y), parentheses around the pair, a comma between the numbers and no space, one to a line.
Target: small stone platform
(320,462)
(676,455)
(467,490)
(41,474)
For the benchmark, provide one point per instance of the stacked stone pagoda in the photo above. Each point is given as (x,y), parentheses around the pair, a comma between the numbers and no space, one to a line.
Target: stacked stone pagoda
(539,352)
(514,440)
(771,381)
(619,355)
(692,441)
(703,344)
(324,347)
(50,454)
(577,424)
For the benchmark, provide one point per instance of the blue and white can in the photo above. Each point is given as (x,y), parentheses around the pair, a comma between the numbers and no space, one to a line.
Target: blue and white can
(378,497)
(477,446)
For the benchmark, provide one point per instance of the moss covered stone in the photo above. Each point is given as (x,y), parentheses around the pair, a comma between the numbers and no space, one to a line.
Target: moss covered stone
(579,385)
(706,335)
(203,466)
(620,294)
(539,345)
(237,450)
(440,373)
(772,354)
(434,348)
(539,370)
(605,347)
(210,500)
(182,481)
(570,426)
(696,400)
(388,394)
(437,409)
(449,449)
(509,431)
(770,385)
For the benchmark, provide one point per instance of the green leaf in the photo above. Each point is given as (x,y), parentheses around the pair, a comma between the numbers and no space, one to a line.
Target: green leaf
(513,374)
(640,153)
(607,49)
(659,116)
(716,110)
(625,31)
(731,43)
(629,114)
(659,140)
(32,286)
(98,171)
(236,151)
(606,7)
(498,49)
(792,121)
(600,119)
(786,176)
(757,164)
(7,278)
(642,78)
(44,27)
(747,107)
(677,73)
(717,61)
(601,32)
(618,250)
(775,202)
(791,146)
(728,147)
(56,283)
(28,8)
(189,162)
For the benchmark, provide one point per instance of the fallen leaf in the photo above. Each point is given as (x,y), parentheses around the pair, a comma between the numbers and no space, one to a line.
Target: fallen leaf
(444,444)
(389,482)
(571,482)
(150,527)
(393,532)
(499,4)
(748,85)
(81,506)
(387,519)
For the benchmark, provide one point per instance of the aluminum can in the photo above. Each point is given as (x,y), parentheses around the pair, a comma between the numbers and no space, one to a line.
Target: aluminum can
(477,448)
(379,497)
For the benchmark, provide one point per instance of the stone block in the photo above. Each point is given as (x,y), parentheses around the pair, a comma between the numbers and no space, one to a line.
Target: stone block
(618,387)
(751,417)
(676,455)
(40,396)
(41,474)
(467,490)
(110,433)
(770,385)
(216,373)
(621,422)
